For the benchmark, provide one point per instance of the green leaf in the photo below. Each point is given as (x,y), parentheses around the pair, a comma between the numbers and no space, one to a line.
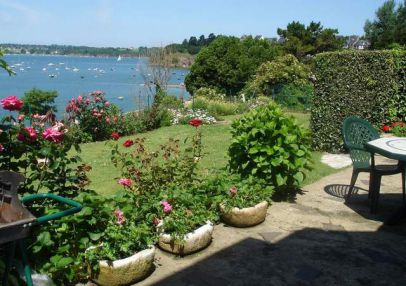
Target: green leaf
(95,236)
(63,262)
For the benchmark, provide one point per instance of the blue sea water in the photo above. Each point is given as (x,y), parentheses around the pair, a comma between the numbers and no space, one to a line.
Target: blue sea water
(71,76)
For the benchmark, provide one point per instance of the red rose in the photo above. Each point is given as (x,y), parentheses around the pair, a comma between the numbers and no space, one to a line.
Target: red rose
(128,143)
(11,103)
(196,122)
(115,136)
(386,128)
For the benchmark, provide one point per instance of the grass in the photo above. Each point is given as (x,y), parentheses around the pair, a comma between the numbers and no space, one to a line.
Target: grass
(216,139)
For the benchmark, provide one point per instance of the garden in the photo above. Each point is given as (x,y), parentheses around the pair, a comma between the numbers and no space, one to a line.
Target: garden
(163,177)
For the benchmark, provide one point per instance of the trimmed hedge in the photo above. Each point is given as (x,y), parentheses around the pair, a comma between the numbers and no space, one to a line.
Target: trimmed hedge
(368,84)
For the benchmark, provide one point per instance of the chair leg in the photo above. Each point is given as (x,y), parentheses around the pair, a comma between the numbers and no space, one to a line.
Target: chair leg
(375,193)
(354,177)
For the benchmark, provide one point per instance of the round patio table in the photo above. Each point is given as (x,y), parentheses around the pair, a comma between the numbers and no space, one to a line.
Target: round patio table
(392,148)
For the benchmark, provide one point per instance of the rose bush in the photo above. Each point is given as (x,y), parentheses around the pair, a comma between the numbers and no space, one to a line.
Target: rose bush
(93,116)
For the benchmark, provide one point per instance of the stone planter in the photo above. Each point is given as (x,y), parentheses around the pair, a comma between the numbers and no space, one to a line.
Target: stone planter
(127,270)
(193,241)
(244,217)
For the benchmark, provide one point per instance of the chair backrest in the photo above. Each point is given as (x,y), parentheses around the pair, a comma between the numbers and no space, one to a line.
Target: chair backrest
(356,132)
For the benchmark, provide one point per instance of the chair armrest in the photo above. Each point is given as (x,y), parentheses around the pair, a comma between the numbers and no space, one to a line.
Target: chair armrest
(75,206)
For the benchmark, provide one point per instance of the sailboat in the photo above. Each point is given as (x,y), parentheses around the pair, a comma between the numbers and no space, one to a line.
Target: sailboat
(119,58)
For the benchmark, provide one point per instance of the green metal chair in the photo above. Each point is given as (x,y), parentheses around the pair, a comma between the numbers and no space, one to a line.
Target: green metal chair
(356,132)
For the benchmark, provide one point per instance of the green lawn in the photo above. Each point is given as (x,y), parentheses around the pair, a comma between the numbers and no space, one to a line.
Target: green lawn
(216,139)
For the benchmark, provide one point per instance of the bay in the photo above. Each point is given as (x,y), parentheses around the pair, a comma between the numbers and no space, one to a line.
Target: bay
(120,79)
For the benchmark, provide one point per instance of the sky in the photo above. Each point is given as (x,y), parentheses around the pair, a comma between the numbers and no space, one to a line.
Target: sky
(134,23)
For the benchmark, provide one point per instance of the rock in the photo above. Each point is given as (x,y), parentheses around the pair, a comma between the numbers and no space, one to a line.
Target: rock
(245,217)
(127,270)
(193,241)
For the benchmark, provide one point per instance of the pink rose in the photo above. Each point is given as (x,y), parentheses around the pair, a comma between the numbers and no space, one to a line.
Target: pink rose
(108,120)
(21,117)
(233,191)
(167,207)
(87,101)
(11,103)
(29,134)
(80,98)
(53,135)
(119,216)
(125,182)
(1,148)
(107,104)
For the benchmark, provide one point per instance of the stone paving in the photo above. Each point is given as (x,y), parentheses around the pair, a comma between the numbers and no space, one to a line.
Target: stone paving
(316,240)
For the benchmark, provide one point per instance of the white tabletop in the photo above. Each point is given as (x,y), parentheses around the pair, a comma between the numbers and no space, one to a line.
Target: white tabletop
(389,146)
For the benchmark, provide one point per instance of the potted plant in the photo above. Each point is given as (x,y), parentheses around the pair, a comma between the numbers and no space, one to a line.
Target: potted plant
(125,254)
(242,202)
(184,220)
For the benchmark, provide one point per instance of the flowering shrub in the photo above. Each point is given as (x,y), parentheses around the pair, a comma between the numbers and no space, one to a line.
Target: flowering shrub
(144,171)
(233,191)
(94,115)
(184,116)
(183,210)
(40,152)
(398,128)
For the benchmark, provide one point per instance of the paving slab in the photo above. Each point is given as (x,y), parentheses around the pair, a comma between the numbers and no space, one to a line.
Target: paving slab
(317,240)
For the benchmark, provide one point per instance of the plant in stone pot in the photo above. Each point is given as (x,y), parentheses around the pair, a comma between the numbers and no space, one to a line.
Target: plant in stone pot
(242,202)
(184,219)
(126,252)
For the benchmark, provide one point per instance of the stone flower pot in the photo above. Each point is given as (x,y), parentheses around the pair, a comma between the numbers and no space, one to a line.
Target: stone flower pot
(193,241)
(246,216)
(127,270)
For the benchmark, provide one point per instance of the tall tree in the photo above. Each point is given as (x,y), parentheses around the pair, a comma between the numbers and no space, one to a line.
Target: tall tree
(313,39)
(388,27)
(228,62)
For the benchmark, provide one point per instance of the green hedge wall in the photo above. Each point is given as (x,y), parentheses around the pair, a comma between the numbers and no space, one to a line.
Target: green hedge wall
(368,84)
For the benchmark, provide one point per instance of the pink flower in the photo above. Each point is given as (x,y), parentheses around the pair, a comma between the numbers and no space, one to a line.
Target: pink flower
(29,134)
(21,117)
(11,103)
(87,101)
(107,104)
(156,221)
(36,116)
(108,120)
(97,92)
(1,148)
(167,207)
(125,182)
(80,98)
(233,191)
(119,216)
(115,119)
(97,99)
(53,135)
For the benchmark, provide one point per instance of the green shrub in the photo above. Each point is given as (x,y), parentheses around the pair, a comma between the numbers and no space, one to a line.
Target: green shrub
(209,93)
(172,102)
(296,97)
(270,145)
(368,84)
(220,107)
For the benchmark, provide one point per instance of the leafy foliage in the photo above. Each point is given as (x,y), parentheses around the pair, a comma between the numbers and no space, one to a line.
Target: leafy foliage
(301,41)
(271,146)
(37,101)
(233,191)
(4,65)
(228,62)
(193,45)
(368,84)
(283,70)
(389,26)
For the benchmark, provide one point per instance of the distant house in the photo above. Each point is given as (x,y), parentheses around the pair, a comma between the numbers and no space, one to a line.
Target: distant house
(355,42)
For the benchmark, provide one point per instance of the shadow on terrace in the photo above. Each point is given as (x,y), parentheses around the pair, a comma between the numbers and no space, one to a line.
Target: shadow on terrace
(306,257)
